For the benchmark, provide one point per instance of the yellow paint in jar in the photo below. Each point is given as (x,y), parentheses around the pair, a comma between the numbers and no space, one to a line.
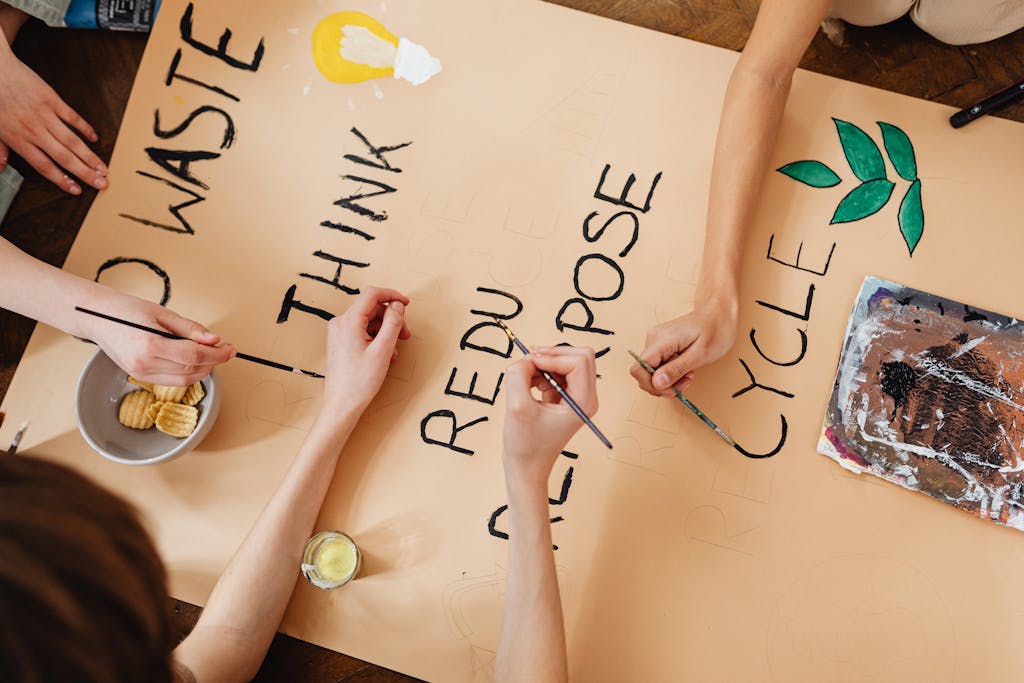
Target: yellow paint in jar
(331,559)
(336,560)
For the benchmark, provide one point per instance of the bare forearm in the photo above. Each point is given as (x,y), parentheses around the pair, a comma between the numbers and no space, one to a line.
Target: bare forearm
(42,292)
(754,103)
(248,602)
(532,646)
(753,109)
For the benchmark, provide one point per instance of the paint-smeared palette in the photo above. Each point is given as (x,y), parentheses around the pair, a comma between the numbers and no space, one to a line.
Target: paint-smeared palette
(930,395)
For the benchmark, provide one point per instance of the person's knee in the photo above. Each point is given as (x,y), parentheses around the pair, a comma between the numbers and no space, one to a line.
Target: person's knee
(961,23)
(869,12)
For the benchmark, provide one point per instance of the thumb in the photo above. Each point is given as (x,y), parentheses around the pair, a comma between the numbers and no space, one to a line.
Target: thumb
(189,329)
(390,327)
(675,370)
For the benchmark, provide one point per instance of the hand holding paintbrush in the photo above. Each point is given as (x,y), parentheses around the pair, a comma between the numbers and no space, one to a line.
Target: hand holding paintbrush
(686,402)
(554,386)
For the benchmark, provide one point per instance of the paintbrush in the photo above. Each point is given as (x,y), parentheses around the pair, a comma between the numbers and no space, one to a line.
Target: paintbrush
(17,438)
(557,387)
(686,402)
(169,335)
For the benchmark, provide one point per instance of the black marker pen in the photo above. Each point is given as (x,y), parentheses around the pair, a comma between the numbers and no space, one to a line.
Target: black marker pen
(987,105)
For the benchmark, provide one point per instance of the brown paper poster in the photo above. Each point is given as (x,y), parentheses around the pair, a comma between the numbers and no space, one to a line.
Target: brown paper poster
(554,173)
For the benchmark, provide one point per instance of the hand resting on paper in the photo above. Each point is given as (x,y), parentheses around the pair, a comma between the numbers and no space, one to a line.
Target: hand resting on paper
(38,125)
(361,343)
(677,348)
(47,294)
(532,646)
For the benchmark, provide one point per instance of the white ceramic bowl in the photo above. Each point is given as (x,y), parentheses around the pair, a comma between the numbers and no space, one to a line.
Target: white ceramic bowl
(97,401)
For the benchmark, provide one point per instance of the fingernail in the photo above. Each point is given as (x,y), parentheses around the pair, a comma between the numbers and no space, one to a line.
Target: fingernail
(74,189)
(101,168)
(101,183)
(398,306)
(661,380)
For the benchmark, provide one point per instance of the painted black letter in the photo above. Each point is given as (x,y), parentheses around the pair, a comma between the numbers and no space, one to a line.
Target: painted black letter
(291,302)
(454,430)
(160,272)
(622,199)
(221,51)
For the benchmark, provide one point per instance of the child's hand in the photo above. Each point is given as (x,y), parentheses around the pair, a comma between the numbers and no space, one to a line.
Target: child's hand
(149,357)
(37,124)
(360,346)
(678,347)
(536,431)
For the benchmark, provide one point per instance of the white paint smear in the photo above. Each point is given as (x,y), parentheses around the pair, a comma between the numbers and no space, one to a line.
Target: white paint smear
(967,347)
(414,63)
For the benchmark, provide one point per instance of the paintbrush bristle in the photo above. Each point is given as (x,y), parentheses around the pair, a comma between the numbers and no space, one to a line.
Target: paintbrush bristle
(506,328)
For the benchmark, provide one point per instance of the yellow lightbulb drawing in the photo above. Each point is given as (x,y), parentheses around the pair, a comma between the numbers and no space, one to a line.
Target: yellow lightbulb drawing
(350,47)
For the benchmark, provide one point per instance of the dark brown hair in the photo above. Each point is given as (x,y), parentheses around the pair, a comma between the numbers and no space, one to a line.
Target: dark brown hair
(83,594)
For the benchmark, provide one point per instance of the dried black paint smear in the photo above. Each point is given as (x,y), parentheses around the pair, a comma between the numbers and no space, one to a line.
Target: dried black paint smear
(970,315)
(898,379)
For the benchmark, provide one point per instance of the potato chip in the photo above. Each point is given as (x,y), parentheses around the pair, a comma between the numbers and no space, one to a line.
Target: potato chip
(194,394)
(177,420)
(169,394)
(154,409)
(148,386)
(133,410)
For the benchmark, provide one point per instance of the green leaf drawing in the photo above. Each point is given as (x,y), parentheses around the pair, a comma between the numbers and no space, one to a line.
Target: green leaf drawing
(900,150)
(864,200)
(861,152)
(813,173)
(912,216)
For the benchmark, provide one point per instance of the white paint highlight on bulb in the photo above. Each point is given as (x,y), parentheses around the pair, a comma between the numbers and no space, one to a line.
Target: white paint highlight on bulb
(414,63)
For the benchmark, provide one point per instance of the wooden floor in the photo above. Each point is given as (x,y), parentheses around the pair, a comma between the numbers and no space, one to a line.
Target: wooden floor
(93,71)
